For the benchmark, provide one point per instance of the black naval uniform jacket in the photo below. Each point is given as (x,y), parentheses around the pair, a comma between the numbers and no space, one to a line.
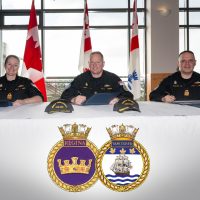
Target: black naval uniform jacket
(86,85)
(182,89)
(20,88)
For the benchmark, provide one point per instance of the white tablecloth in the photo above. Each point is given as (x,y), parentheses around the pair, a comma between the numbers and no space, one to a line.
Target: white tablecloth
(170,134)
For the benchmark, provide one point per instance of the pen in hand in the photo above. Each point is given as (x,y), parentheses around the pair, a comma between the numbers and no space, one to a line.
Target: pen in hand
(168,98)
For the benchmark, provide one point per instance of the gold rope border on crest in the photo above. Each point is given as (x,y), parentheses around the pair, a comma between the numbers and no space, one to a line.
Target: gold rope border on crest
(61,184)
(125,188)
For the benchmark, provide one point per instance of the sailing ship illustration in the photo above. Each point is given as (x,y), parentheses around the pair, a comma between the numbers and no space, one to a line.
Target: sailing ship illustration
(121,166)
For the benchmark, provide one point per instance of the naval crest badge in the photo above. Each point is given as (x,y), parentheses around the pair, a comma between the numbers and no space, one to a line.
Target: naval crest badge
(72,161)
(9,96)
(122,164)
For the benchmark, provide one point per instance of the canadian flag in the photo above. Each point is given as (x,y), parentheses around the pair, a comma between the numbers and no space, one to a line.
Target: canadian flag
(86,46)
(134,62)
(32,66)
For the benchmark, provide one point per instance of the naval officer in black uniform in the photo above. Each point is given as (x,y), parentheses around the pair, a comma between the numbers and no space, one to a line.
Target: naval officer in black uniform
(182,85)
(17,89)
(96,80)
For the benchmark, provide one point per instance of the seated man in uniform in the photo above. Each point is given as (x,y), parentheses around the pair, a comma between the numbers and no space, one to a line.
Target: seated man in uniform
(17,89)
(96,80)
(182,85)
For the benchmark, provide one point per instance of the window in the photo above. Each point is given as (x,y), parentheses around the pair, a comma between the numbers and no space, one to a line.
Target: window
(60,30)
(189,27)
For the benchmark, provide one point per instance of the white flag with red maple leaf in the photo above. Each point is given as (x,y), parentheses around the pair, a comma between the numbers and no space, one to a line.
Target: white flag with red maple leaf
(32,66)
(86,46)
(134,62)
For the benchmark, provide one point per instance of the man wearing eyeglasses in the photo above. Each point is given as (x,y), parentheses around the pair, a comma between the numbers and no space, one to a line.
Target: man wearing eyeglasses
(182,85)
(96,80)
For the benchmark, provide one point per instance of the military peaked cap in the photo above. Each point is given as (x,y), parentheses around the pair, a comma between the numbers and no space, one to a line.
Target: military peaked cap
(126,104)
(59,105)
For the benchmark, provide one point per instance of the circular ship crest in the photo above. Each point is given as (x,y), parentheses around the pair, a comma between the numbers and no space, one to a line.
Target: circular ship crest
(72,161)
(123,163)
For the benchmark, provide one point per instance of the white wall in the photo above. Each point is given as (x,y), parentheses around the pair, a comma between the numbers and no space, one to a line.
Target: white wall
(162,36)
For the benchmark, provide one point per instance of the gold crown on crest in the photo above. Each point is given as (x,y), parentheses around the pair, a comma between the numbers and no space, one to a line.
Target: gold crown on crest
(122,132)
(74,131)
(74,167)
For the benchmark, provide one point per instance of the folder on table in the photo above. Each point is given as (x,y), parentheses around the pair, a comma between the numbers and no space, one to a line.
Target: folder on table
(101,98)
(195,103)
(5,103)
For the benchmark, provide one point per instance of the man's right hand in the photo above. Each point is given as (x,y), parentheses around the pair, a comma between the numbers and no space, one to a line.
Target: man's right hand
(168,98)
(78,100)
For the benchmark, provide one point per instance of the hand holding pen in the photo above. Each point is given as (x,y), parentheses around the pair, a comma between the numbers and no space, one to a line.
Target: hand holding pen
(168,98)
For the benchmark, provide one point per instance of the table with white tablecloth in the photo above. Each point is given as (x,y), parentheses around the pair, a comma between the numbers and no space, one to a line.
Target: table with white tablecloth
(170,134)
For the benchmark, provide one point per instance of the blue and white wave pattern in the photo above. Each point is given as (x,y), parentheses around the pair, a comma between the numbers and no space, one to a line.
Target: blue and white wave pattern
(125,180)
